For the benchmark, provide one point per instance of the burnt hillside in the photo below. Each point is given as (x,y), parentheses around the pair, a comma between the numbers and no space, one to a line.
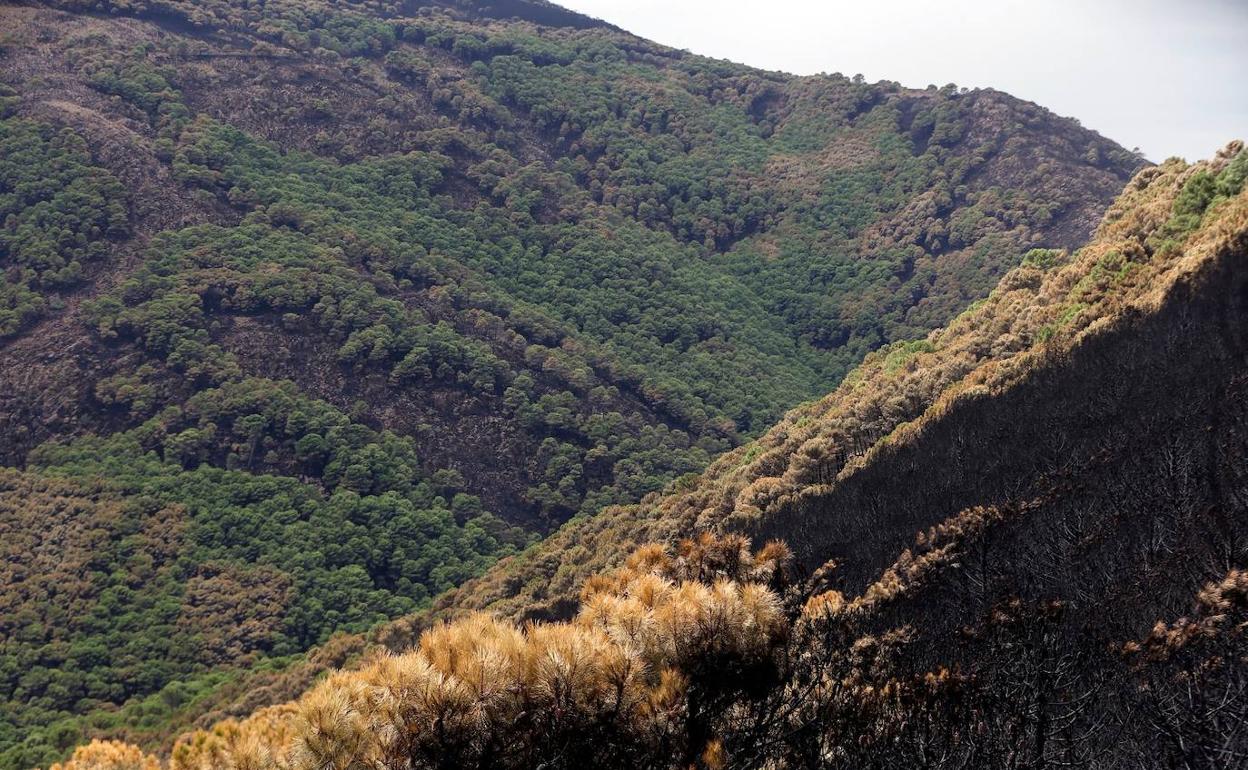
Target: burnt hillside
(360,298)
(1015,543)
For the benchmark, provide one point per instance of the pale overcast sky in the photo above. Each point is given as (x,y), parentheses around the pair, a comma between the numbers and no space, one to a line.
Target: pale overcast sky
(1168,76)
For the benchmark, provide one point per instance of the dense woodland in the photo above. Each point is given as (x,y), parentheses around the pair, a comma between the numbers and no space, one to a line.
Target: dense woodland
(313,312)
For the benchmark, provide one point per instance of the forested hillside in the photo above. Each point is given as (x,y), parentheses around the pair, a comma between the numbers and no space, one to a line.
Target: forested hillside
(1060,578)
(312,311)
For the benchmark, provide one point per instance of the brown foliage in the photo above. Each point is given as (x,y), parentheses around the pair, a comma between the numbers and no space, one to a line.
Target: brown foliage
(50,532)
(616,681)
(108,755)
(234,610)
(1221,610)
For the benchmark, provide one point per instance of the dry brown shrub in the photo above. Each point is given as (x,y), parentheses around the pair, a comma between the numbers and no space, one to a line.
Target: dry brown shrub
(480,687)
(108,755)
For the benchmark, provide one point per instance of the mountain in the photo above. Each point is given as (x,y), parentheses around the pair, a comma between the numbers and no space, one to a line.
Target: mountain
(313,311)
(1014,543)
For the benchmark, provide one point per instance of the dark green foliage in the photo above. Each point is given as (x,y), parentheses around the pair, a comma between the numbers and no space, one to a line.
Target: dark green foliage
(650,301)
(257,268)
(1044,258)
(375,520)
(57,212)
(1201,191)
(366,536)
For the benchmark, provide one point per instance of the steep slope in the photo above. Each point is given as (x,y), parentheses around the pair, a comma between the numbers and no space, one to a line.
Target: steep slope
(1023,535)
(857,440)
(374,294)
